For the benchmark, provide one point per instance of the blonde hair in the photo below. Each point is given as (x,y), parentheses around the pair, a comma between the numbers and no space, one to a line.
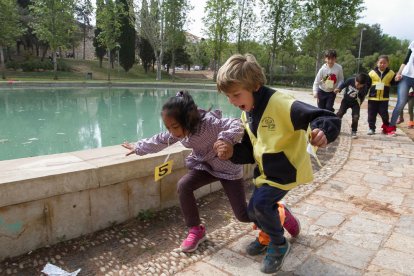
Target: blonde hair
(242,70)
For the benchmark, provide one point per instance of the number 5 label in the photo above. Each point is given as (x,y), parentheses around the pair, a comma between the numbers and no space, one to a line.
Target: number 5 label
(163,170)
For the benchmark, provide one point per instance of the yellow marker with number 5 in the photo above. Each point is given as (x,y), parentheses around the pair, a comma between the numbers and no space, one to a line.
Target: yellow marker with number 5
(163,170)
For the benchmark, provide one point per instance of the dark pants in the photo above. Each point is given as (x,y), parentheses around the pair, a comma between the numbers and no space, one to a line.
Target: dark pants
(195,179)
(377,107)
(326,100)
(355,107)
(263,211)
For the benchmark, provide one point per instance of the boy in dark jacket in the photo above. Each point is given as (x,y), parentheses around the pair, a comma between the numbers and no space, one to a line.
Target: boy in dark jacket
(355,89)
(277,131)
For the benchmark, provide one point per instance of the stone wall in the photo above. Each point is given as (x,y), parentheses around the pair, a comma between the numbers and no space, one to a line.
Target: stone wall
(48,199)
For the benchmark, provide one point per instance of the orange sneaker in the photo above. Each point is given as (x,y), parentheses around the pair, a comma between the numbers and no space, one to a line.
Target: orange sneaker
(410,124)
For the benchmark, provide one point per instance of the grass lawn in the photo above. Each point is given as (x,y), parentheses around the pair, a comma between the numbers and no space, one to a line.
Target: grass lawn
(80,68)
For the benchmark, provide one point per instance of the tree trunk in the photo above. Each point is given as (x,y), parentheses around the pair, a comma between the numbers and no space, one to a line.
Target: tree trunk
(2,65)
(55,77)
(109,65)
(173,65)
(84,42)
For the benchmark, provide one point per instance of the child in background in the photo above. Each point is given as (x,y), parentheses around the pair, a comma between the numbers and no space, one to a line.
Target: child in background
(410,123)
(277,129)
(355,89)
(199,130)
(329,76)
(382,78)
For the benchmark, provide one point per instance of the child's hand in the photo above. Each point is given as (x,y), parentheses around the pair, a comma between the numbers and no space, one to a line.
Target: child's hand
(398,77)
(337,90)
(223,149)
(315,94)
(129,146)
(318,138)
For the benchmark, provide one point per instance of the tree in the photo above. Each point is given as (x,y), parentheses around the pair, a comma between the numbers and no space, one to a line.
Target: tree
(84,11)
(145,52)
(328,24)
(100,51)
(54,23)
(10,28)
(175,14)
(152,29)
(108,19)
(218,22)
(127,37)
(246,20)
(278,21)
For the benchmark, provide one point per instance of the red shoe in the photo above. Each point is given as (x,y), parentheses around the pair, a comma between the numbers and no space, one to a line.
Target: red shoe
(384,129)
(196,235)
(291,224)
(391,131)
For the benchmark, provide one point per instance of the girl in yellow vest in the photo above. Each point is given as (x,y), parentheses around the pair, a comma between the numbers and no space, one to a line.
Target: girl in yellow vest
(276,138)
(379,94)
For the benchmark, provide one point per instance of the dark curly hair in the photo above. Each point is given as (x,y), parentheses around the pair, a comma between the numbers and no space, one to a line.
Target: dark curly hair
(184,110)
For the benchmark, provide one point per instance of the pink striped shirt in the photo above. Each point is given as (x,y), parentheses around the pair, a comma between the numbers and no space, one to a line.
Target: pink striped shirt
(212,127)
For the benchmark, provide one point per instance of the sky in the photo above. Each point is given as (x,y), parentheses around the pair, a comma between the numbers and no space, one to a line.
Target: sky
(396,17)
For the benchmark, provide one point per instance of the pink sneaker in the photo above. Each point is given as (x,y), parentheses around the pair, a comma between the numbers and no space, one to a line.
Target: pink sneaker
(196,235)
(292,224)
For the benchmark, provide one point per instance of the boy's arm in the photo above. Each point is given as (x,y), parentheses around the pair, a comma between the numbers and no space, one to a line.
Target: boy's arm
(340,76)
(243,152)
(364,91)
(303,114)
(316,82)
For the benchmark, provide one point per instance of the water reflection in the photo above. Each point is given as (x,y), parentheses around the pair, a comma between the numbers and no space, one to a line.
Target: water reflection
(38,122)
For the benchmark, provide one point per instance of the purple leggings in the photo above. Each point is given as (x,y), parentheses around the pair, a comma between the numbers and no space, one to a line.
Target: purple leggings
(195,179)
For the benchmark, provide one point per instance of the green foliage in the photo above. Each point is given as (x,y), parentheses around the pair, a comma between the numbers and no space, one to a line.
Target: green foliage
(294,80)
(348,63)
(36,65)
(218,21)
(145,52)
(53,21)
(145,215)
(305,64)
(108,20)
(127,37)
(10,27)
(328,24)
(245,21)
(100,51)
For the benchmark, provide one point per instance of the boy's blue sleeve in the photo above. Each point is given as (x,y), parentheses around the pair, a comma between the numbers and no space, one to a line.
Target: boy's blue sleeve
(303,115)
(243,151)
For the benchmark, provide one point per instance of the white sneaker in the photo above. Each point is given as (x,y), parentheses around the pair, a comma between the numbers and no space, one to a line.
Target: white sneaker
(371,131)
(354,135)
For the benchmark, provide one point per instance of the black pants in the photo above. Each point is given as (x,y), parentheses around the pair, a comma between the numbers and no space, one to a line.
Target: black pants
(355,107)
(378,107)
(326,100)
(195,179)
(264,211)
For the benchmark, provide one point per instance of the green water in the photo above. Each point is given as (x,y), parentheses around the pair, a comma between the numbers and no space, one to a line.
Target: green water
(37,122)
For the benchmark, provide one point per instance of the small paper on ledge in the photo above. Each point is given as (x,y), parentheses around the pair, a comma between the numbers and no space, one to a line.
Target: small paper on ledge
(53,270)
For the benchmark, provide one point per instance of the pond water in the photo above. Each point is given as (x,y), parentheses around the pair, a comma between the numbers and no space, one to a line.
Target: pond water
(37,122)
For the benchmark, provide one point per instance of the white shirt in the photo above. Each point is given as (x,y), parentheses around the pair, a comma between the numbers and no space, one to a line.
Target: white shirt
(324,73)
(409,67)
